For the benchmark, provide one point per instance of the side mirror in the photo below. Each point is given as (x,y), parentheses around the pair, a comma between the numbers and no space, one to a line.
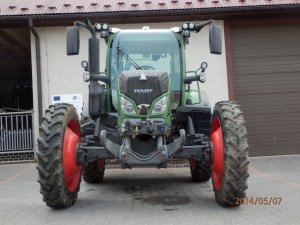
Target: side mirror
(215,39)
(73,40)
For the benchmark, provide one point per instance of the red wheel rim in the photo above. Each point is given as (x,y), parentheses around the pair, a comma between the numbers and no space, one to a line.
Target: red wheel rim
(71,168)
(216,137)
(193,164)
(101,164)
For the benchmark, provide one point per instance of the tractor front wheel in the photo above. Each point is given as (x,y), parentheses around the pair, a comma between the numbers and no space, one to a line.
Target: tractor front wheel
(230,153)
(201,169)
(94,172)
(59,173)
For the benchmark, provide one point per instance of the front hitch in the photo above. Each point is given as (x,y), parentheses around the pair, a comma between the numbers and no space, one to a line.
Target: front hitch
(127,155)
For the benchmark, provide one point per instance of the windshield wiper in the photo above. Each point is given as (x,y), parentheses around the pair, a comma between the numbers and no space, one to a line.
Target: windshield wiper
(123,54)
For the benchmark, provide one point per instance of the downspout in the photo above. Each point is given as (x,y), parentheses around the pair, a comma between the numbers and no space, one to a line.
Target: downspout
(38,68)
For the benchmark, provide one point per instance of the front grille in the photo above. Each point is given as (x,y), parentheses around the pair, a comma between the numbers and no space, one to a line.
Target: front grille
(143,86)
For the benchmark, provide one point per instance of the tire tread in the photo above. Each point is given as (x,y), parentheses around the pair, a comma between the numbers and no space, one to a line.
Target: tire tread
(236,148)
(49,157)
(92,174)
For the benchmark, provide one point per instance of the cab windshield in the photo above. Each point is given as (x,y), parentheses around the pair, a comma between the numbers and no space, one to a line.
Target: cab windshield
(145,50)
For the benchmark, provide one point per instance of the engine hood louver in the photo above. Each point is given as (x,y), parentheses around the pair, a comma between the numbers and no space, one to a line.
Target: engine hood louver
(143,86)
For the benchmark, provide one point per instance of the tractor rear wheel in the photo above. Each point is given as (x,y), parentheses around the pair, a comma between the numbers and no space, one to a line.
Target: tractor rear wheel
(59,173)
(230,153)
(94,172)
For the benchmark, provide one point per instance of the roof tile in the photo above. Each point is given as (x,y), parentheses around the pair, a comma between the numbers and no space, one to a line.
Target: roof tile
(31,7)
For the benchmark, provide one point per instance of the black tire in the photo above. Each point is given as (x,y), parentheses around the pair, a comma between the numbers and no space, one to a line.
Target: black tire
(92,173)
(235,147)
(200,169)
(50,156)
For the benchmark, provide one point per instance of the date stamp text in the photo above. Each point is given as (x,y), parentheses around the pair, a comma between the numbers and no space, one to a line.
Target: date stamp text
(258,201)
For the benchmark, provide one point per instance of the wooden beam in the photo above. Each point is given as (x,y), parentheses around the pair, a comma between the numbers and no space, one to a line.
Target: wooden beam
(13,46)
(8,38)
(21,35)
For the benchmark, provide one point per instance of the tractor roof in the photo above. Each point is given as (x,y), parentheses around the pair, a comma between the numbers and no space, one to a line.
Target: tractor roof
(142,34)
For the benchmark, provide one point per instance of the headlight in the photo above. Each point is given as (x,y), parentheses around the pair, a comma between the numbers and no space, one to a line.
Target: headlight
(127,106)
(185,26)
(202,77)
(104,26)
(160,105)
(98,26)
(191,26)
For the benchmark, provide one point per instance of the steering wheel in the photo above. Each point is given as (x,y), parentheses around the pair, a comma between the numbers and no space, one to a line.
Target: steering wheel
(147,67)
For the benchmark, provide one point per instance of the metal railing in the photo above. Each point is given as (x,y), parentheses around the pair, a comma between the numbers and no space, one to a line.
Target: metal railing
(16,131)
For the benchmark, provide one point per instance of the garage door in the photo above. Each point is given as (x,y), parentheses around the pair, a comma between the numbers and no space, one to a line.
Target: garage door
(266,70)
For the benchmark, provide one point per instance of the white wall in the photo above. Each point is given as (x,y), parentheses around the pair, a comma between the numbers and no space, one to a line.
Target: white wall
(62,74)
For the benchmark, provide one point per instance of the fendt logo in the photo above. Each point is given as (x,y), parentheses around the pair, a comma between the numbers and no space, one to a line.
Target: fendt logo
(142,91)
(143,77)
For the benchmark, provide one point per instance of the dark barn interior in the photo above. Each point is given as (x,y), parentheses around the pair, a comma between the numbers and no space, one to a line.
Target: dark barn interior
(15,67)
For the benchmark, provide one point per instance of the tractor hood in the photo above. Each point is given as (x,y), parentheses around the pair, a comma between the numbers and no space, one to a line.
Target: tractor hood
(144,87)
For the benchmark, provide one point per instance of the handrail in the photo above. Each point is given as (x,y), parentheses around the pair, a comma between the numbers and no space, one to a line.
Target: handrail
(16,113)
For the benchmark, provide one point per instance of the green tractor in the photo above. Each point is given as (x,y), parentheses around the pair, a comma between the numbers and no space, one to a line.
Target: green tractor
(143,111)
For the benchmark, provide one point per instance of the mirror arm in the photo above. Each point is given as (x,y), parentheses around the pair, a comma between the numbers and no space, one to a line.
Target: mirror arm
(96,77)
(200,26)
(190,79)
(79,23)
(91,28)
(86,25)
